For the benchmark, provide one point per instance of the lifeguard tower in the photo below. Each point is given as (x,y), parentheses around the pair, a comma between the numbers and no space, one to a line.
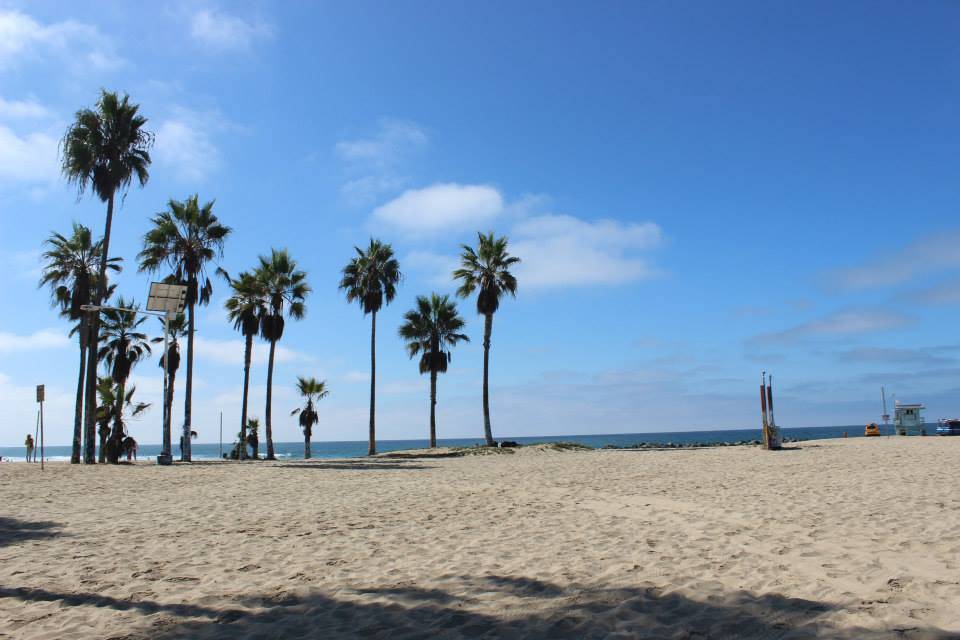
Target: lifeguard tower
(908,419)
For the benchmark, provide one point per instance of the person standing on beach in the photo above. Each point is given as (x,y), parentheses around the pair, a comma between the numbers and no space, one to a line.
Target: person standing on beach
(28,443)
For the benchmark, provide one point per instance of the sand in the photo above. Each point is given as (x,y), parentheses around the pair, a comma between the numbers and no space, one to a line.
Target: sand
(832,539)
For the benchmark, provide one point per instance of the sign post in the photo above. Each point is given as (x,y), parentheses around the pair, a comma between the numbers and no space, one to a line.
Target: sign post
(40,398)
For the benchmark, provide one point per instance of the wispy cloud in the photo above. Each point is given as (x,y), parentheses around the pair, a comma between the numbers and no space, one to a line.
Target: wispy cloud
(847,322)
(224,32)
(942,293)
(23,110)
(926,255)
(231,352)
(561,250)
(374,163)
(80,46)
(38,340)
(929,356)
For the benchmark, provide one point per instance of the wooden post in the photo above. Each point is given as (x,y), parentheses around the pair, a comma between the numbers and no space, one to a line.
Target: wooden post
(764,437)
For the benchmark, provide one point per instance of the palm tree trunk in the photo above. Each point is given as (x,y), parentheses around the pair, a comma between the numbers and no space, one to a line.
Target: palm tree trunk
(103,447)
(487,329)
(433,409)
(188,398)
(78,409)
(90,433)
(372,449)
(247,352)
(116,434)
(273,347)
(306,445)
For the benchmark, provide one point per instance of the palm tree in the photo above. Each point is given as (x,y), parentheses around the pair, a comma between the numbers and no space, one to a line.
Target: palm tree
(487,270)
(70,270)
(313,390)
(371,278)
(104,149)
(284,286)
(246,308)
(432,330)
(173,332)
(253,436)
(124,346)
(186,238)
(109,395)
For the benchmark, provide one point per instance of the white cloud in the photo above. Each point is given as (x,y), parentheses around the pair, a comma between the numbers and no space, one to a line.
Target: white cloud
(231,352)
(30,157)
(847,322)
(561,250)
(22,109)
(223,31)
(924,256)
(79,45)
(185,146)
(42,339)
(441,207)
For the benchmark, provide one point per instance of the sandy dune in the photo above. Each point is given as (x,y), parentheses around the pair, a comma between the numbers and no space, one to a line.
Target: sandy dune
(835,539)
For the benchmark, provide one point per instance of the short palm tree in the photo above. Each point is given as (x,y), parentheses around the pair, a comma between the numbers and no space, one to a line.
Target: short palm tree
(253,437)
(431,330)
(173,333)
(285,287)
(70,270)
(312,390)
(109,395)
(371,278)
(487,271)
(104,149)
(246,307)
(186,238)
(124,346)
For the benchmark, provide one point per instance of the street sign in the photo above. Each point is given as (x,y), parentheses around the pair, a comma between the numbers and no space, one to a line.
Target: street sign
(40,391)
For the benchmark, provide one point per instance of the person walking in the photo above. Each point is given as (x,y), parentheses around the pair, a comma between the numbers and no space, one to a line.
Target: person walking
(28,443)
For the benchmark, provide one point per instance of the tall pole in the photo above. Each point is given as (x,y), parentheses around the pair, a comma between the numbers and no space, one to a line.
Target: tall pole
(165,447)
(41,434)
(36,437)
(763,409)
(221,435)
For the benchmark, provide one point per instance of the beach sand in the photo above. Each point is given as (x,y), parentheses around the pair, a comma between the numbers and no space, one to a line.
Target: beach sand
(851,538)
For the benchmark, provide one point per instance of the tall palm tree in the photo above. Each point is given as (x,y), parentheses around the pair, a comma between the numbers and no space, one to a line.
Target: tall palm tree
(431,330)
(246,308)
(284,286)
(487,271)
(173,332)
(186,238)
(371,278)
(313,390)
(104,149)
(108,393)
(124,346)
(70,270)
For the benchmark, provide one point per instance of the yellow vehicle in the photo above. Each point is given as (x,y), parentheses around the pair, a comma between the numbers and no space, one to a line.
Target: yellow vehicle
(872,430)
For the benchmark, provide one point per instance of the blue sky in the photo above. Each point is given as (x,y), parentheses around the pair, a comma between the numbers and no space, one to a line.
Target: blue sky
(699,191)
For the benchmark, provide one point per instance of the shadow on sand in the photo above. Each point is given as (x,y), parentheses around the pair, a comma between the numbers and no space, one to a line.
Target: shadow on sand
(13,530)
(526,608)
(349,465)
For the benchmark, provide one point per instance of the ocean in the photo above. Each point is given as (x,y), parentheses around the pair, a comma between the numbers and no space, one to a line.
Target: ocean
(356,448)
